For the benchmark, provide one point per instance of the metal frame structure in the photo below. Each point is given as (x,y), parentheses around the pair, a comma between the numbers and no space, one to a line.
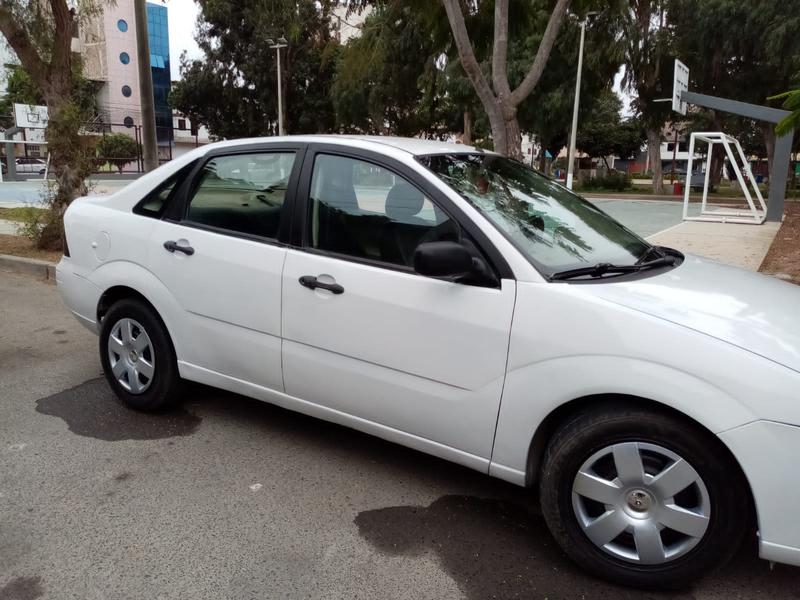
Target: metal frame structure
(754,216)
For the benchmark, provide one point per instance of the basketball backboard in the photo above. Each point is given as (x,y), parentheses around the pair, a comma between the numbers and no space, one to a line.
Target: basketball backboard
(30,116)
(680,83)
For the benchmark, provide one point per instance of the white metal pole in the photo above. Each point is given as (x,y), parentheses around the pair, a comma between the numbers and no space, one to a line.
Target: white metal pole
(280,95)
(573,134)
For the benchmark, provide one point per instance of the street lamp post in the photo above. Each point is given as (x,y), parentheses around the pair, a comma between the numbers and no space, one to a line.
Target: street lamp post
(282,43)
(573,134)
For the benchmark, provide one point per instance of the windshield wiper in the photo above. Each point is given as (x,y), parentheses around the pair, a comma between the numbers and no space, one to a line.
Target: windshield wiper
(601,269)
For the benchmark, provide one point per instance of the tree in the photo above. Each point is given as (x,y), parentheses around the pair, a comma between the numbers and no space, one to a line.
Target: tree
(40,33)
(118,149)
(498,99)
(648,73)
(386,78)
(19,90)
(603,133)
(233,89)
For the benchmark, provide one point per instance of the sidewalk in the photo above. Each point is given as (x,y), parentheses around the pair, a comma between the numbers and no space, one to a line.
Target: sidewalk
(730,243)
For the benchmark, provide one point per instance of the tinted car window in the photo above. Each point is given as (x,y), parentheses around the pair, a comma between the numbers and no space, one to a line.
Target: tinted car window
(244,193)
(366,211)
(154,203)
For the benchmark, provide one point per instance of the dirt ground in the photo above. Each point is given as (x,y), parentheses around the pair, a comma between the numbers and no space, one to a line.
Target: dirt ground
(783,258)
(19,246)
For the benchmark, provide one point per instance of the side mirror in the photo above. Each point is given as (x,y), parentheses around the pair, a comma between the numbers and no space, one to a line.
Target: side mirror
(443,259)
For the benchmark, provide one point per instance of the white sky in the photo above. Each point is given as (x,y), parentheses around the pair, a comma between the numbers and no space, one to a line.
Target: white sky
(182,19)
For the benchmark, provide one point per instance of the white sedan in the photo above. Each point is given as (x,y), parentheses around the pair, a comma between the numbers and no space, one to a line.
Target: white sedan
(459,303)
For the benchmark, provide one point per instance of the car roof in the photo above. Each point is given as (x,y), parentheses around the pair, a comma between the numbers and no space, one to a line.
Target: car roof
(413,146)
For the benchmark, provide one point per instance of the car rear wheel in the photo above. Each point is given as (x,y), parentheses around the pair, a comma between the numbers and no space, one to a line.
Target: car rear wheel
(642,498)
(137,356)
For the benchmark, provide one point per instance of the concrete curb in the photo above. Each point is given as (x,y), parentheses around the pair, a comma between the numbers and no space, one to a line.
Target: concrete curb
(28,266)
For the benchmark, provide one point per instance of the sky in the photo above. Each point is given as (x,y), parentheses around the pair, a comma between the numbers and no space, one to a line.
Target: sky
(182,19)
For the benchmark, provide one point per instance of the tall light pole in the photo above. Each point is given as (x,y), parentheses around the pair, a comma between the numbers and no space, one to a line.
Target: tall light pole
(282,43)
(149,144)
(573,134)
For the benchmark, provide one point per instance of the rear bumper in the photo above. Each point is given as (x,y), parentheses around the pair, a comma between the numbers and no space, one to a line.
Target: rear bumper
(769,454)
(79,294)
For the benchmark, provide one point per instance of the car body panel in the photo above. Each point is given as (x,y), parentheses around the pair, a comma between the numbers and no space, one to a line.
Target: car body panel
(410,352)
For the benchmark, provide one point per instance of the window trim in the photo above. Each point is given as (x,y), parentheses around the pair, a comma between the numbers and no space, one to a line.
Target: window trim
(180,177)
(300,229)
(179,208)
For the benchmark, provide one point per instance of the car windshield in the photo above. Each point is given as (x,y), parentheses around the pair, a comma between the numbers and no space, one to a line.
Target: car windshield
(556,229)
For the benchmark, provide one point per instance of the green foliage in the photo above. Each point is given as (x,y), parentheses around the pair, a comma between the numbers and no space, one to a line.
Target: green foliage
(118,149)
(386,79)
(603,133)
(791,101)
(233,90)
(614,181)
(20,89)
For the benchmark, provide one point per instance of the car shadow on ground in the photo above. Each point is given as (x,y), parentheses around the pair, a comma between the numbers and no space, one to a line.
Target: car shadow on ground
(487,534)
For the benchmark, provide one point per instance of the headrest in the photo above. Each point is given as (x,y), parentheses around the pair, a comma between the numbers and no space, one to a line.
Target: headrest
(403,201)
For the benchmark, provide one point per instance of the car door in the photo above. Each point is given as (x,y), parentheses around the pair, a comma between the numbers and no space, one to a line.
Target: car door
(406,355)
(220,253)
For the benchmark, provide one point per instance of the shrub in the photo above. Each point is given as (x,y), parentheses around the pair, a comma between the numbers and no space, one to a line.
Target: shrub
(118,149)
(615,181)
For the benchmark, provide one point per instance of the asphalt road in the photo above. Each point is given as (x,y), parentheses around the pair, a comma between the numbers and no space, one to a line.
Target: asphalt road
(231,498)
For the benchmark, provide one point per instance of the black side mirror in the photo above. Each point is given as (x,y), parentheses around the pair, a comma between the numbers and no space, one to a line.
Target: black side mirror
(443,259)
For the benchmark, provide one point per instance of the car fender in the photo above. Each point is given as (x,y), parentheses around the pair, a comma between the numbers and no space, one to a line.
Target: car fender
(535,390)
(125,273)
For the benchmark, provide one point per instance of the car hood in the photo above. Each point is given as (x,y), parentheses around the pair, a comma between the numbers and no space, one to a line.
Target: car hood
(755,312)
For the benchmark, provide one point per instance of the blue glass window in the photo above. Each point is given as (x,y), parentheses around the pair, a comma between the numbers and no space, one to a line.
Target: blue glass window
(124,58)
(126,91)
(122,25)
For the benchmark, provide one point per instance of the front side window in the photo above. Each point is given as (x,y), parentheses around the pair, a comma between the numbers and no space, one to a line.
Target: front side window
(555,228)
(243,193)
(366,211)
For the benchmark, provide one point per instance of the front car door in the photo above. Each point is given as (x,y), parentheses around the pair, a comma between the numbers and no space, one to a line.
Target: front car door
(220,248)
(412,358)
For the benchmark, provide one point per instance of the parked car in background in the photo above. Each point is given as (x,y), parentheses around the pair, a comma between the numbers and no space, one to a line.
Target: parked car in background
(26,165)
(457,302)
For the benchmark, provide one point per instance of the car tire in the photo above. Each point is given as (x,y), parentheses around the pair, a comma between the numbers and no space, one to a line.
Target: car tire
(584,513)
(138,357)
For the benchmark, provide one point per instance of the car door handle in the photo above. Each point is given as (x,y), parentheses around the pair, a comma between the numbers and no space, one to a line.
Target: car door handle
(313,283)
(172,246)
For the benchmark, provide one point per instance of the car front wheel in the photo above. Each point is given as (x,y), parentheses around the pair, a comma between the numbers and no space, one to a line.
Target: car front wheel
(137,356)
(642,498)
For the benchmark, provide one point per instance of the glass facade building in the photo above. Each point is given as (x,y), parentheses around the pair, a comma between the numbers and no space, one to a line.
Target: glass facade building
(158,35)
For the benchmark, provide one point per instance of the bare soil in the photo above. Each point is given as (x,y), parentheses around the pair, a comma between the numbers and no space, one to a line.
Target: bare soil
(20,246)
(783,258)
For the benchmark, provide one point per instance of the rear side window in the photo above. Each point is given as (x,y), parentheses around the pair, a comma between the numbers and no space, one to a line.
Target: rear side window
(243,193)
(155,202)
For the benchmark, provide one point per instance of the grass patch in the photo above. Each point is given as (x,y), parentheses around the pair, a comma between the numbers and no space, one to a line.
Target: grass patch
(21,213)
(16,245)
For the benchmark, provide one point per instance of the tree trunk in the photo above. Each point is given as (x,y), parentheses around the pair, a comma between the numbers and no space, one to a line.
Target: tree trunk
(654,152)
(718,155)
(467,137)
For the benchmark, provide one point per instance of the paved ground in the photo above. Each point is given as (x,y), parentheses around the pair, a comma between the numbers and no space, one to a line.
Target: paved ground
(645,217)
(232,498)
(29,193)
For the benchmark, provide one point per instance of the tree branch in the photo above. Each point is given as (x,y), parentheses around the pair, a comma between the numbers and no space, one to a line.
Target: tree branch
(500,50)
(467,54)
(23,47)
(542,54)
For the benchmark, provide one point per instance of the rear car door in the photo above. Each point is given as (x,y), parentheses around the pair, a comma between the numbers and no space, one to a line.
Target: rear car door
(220,252)
(417,355)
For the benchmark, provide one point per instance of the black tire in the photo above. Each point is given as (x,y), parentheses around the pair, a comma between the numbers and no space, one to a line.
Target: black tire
(164,389)
(591,432)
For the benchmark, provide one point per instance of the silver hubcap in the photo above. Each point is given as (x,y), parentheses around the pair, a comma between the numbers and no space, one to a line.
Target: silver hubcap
(641,503)
(131,356)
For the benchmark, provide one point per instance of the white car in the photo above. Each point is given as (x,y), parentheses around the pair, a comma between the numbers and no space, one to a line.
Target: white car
(459,303)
